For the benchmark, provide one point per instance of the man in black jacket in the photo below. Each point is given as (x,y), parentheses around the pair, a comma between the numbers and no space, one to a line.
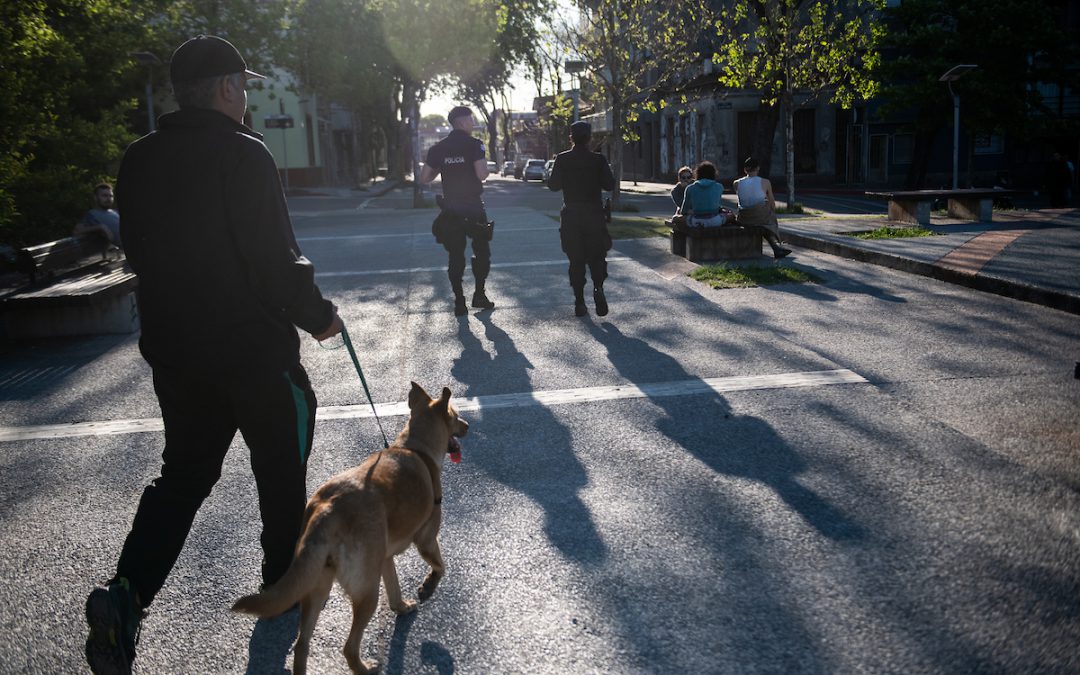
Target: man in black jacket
(581,175)
(222,288)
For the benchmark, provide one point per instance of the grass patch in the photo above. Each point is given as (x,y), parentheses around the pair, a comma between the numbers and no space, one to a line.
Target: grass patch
(791,208)
(726,276)
(894,233)
(627,207)
(636,227)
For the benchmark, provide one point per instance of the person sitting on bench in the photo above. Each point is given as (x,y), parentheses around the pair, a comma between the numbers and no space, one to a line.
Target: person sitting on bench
(757,206)
(102,218)
(701,202)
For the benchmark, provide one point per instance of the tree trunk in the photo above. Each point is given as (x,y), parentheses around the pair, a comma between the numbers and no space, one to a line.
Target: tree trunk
(493,135)
(616,151)
(414,137)
(789,146)
(764,133)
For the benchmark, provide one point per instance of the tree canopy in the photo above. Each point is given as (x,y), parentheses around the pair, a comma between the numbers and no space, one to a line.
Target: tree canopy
(795,51)
(1016,45)
(623,43)
(68,91)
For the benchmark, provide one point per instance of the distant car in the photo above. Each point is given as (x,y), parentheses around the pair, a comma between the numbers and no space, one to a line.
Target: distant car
(548,166)
(492,166)
(508,168)
(534,170)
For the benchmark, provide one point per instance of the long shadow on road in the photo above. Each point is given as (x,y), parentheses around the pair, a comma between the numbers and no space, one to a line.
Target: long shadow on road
(743,445)
(549,473)
(749,584)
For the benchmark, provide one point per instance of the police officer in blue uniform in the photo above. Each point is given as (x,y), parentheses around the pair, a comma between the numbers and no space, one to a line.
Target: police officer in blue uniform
(461,160)
(581,174)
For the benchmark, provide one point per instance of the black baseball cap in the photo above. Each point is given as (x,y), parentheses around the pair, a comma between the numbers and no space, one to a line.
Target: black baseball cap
(581,129)
(458,111)
(207,56)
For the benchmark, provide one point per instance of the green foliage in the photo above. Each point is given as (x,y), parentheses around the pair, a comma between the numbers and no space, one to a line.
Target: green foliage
(432,122)
(338,49)
(511,41)
(623,43)
(821,47)
(254,27)
(928,37)
(68,90)
(794,52)
(636,227)
(728,276)
(895,233)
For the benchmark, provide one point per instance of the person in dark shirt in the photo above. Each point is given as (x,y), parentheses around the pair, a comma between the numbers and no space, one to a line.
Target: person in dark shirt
(581,174)
(686,176)
(460,159)
(102,219)
(222,289)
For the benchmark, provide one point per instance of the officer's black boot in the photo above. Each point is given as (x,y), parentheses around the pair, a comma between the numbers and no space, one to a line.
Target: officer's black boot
(599,300)
(480,269)
(579,302)
(459,298)
(778,250)
(480,300)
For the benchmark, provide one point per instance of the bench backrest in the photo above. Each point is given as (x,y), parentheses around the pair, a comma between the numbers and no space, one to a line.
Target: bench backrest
(971,193)
(46,260)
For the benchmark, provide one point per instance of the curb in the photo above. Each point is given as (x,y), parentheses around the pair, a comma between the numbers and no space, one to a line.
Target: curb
(1011,289)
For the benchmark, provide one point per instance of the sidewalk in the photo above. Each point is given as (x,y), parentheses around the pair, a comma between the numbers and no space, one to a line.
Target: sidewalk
(1030,255)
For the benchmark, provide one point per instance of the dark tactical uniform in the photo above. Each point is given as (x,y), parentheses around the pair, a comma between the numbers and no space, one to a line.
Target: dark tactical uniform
(462,208)
(581,174)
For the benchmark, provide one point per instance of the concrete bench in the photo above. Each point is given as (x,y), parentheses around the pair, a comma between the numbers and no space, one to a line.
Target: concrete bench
(73,286)
(914,206)
(729,242)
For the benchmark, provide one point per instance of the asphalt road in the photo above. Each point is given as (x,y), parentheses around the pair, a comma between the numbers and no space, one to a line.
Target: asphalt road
(874,473)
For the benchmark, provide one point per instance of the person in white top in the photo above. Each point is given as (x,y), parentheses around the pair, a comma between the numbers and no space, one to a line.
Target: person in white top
(757,206)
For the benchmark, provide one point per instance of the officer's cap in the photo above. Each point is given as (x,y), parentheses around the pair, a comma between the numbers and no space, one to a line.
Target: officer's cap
(581,129)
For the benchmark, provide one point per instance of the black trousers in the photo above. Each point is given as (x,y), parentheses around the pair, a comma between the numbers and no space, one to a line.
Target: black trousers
(585,240)
(275,413)
(457,229)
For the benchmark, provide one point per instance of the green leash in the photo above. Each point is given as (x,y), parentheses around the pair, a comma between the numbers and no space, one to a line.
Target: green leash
(360,372)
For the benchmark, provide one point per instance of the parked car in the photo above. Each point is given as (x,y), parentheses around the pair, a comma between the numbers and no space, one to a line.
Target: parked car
(548,166)
(534,170)
(492,166)
(508,168)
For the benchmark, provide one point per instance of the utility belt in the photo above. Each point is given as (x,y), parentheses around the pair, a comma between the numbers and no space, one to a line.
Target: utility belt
(474,223)
(589,208)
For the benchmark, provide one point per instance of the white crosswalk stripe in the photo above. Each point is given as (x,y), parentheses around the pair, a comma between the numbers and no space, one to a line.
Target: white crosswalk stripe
(525,399)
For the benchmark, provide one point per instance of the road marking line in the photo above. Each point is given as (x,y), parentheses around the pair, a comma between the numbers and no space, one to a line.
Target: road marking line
(554,397)
(425,235)
(416,270)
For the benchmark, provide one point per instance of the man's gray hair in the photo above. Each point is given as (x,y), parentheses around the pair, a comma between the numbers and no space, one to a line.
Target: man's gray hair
(200,93)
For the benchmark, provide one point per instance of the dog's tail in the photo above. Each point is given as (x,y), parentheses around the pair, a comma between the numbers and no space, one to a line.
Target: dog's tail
(304,571)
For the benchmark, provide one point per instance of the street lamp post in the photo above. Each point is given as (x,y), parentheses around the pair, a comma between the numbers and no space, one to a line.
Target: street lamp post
(574,67)
(148,59)
(952,75)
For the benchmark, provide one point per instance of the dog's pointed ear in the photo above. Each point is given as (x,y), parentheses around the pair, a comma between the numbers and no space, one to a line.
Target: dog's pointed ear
(444,400)
(418,398)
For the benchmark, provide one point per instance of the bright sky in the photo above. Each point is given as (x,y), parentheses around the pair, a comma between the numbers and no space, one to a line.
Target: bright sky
(523,91)
(521,98)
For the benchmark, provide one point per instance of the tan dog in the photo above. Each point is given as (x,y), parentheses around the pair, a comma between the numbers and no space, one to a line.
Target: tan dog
(360,519)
